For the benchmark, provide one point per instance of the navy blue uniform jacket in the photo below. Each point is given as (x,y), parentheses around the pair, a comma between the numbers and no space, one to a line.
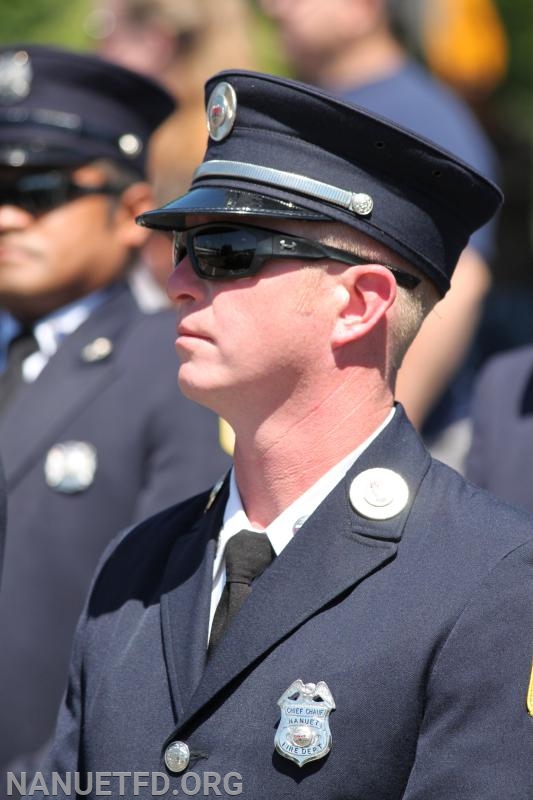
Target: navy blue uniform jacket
(501,454)
(2,516)
(153,448)
(421,626)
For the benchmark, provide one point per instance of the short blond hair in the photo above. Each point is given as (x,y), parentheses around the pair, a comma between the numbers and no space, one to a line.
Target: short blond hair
(411,306)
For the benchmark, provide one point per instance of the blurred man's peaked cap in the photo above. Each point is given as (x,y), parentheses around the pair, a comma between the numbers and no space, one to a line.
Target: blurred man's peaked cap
(280,148)
(59,107)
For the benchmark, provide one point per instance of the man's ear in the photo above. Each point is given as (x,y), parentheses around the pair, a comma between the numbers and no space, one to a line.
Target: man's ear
(367,292)
(134,200)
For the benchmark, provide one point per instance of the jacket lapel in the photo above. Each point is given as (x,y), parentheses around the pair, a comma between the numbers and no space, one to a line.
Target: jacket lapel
(334,551)
(185,603)
(68,383)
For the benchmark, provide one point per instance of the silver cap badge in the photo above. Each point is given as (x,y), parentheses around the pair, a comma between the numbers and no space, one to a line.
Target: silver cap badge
(70,467)
(221,110)
(303,733)
(15,76)
(379,493)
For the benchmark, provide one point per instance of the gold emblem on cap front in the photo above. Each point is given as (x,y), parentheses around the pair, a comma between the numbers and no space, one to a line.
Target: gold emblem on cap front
(221,111)
(529,701)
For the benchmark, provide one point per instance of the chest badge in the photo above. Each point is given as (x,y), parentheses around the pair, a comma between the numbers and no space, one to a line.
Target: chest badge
(303,732)
(70,467)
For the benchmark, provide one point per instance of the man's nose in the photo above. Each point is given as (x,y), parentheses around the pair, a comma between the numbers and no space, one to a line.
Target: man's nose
(183,283)
(13,217)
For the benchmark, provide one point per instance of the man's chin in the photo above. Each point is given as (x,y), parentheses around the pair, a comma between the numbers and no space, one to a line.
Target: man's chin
(193,389)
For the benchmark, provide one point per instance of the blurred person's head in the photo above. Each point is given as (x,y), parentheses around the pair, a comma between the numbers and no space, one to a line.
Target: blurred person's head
(74,133)
(319,37)
(181,43)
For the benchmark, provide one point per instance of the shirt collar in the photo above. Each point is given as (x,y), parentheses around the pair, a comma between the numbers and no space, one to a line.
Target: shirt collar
(53,328)
(282,529)
(49,331)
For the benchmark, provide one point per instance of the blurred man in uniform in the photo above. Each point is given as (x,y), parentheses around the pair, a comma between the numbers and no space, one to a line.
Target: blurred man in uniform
(354,48)
(501,454)
(2,517)
(94,433)
(345,617)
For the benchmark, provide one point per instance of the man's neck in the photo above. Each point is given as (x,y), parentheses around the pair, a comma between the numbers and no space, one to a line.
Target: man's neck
(279,460)
(34,310)
(370,60)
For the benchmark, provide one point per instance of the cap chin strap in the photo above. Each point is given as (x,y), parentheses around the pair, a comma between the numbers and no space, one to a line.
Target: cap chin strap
(360,203)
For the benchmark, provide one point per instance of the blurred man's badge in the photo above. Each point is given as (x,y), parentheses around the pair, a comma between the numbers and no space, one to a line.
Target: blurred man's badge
(15,76)
(70,467)
(303,733)
(97,350)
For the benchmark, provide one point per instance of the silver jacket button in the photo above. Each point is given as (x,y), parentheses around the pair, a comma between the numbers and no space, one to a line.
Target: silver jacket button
(177,756)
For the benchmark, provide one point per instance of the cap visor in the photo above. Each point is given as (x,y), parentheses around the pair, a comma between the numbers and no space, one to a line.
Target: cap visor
(214,200)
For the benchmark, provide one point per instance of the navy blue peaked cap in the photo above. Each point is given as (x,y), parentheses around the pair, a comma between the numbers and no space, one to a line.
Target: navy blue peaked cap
(279,148)
(63,108)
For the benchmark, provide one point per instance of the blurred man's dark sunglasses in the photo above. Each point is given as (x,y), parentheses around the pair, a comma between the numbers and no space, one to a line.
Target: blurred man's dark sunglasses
(39,192)
(222,251)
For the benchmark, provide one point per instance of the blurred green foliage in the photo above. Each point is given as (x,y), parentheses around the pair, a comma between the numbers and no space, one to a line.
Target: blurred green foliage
(269,54)
(59,22)
(516,94)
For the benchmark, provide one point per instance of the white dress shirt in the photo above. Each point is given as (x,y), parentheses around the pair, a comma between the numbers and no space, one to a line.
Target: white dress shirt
(283,528)
(49,332)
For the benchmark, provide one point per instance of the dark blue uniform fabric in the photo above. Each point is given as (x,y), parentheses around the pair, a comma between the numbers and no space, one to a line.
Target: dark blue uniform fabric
(501,453)
(153,448)
(420,625)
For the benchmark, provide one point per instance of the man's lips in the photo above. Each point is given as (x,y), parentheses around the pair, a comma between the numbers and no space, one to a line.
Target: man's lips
(13,252)
(185,332)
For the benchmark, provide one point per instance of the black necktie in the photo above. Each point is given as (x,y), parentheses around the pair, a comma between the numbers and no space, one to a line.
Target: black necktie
(11,379)
(247,555)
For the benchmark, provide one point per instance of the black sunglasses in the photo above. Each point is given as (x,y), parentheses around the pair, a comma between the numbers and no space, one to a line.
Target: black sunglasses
(39,192)
(218,251)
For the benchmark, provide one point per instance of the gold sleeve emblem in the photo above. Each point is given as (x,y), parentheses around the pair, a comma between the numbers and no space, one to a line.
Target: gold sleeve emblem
(226,437)
(529,700)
